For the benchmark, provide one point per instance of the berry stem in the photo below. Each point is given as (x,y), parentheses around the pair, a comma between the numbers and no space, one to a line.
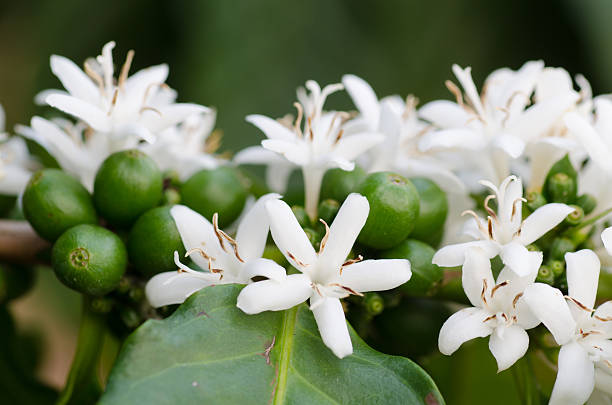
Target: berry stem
(19,242)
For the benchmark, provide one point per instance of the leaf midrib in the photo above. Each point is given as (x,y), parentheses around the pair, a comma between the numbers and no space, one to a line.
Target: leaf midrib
(285,346)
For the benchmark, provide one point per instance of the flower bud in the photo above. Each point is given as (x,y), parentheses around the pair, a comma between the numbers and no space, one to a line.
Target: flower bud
(560,246)
(561,182)
(575,217)
(328,210)
(545,275)
(373,303)
(587,202)
(535,200)
(557,267)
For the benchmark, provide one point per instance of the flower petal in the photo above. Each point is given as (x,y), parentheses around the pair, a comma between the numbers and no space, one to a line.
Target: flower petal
(508,346)
(543,220)
(363,97)
(351,146)
(519,259)
(278,175)
(606,238)
(263,267)
(344,231)
(332,324)
(549,306)
(575,377)
(452,138)
(444,114)
(476,275)
(464,325)
(292,151)
(513,146)
(172,287)
(92,115)
(272,295)
(590,140)
(375,275)
(583,276)
(271,128)
(289,235)
(253,230)
(74,79)
(454,255)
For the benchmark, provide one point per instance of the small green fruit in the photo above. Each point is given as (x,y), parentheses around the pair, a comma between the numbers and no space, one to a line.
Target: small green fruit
(535,200)
(587,202)
(152,242)
(394,208)
(425,274)
(53,202)
(338,184)
(328,210)
(127,184)
(218,190)
(89,259)
(561,182)
(301,216)
(545,275)
(433,208)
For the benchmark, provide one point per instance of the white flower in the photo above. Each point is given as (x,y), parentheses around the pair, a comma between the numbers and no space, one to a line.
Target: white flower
(504,233)
(75,152)
(124,108)
(398,121)
(498,309)
(316,146)
(326,276)
(495,126)
(227,260)
(585,358)
(183,148)
(15,162)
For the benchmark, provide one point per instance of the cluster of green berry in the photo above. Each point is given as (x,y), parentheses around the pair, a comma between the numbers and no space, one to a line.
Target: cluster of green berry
(108,243)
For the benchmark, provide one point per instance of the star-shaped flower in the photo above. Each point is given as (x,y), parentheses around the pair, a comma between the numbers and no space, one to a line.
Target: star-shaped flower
(498,309)
(504,232)
(584,333)
(325,276)
(226,260)
(15,162)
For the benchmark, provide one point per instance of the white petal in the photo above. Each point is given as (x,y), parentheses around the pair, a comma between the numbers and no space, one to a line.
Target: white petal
(476,272)
(332,325)
(575,377)
(454,255)
(169,115)
(512,145)
(344,230)
(603,382)
(519,259)
(352,146)
(292,151)
(540,117)
(606,238)
(582,276)
(271,295)
(263,267)
(253,230)
(74,79)
(467,324)
(508,346)
(590,139)
(364,98)
(289,235)
(543,220)
(278,175)
(257,155)
(376,275)
(197,233)
(13,180)
(95,117)
(173,288)
(137,85)
(444,114)
(467,139)
(549,306)
(272,128)
(465,78)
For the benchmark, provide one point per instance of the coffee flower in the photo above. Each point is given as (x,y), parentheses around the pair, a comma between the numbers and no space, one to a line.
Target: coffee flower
(584,333)
(15,162)
(498,311)
(325,276)
(504,232)
(226,260)
(315,146)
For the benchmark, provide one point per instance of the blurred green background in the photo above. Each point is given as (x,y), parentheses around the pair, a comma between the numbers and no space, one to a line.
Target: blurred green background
(247,57)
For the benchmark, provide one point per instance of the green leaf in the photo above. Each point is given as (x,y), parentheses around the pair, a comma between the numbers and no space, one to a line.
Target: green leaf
(208,351)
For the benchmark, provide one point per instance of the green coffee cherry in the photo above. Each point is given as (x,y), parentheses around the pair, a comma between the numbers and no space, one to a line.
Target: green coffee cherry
(328,210)
(373,303)
(574,217)
(561,182)
(89,259)
(338,184)
(535,200)
(587,202)
(301,216)
(433,208)
(545,275)
(127,184)
(7,202)
(15,281)
(560,246)
(557,267)
(394,208)
(425,274)
(152,242)
(220,190)
(54,202)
